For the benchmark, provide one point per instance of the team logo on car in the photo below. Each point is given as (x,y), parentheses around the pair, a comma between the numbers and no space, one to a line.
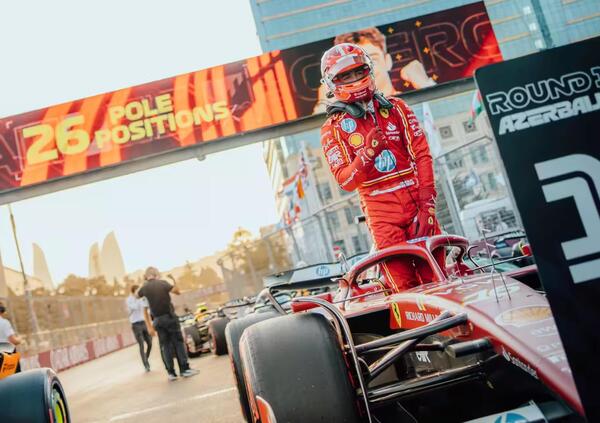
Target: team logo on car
(385,162)
(348,125)
(523,316)
(385,113)
(322,271)
(356,140)
(511,418)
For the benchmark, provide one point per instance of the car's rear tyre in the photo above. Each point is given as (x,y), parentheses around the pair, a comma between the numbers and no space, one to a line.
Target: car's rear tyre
(233,333)
(295,371)
(216,332)
(33,396)
(191,334)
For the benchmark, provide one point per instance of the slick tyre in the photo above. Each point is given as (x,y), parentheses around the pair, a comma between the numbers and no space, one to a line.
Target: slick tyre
(216,332)
(233,333)
(295,371)
(33,396)
(191,334)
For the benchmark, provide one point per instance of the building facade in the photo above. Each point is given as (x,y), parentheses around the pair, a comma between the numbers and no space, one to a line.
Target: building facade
(328,219)
(472,191)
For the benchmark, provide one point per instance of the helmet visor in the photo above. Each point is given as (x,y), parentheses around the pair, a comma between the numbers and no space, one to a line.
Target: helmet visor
(351,75)
(347,63)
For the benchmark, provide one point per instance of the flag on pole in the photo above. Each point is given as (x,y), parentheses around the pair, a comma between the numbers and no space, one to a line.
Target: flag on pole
(476,105)
(300,188)
(431,131)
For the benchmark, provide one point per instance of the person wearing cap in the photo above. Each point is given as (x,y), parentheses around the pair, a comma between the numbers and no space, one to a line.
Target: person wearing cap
(374,145)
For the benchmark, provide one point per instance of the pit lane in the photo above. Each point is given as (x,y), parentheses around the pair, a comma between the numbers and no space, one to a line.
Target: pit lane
(115,388)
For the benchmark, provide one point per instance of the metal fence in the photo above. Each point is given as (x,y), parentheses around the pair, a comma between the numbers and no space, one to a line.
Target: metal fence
(473,192)
(317,238)
(244,266)
(311,240)
(64,321)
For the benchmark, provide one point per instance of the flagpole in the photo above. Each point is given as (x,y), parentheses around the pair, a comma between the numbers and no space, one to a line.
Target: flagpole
(26,288)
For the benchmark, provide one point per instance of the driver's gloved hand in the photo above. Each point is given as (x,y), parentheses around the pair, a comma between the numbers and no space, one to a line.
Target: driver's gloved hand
(425,218)
(375,142)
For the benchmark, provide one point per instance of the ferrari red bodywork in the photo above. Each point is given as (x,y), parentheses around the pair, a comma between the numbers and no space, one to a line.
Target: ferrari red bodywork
(466,326)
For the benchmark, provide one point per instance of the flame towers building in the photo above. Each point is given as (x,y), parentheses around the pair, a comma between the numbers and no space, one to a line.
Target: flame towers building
(108,261)
(40,267)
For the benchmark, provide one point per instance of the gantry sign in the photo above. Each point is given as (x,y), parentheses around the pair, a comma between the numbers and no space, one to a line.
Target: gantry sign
(172,119)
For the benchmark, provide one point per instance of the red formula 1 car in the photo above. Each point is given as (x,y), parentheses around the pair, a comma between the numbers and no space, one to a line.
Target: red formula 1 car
(474,346)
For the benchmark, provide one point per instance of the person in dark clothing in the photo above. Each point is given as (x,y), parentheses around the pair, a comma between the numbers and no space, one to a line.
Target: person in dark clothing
(136,307)
(166,322)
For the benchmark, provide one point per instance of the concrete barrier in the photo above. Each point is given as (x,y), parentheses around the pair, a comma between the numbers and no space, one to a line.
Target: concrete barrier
(63,358)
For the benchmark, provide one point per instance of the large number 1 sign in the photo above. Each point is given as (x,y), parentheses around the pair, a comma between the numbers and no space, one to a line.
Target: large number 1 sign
(582,192)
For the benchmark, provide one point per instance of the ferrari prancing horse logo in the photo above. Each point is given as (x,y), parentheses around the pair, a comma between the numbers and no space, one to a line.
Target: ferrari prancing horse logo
(397,315)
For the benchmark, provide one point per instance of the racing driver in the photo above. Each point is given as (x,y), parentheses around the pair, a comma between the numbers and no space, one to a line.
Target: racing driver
(375,145)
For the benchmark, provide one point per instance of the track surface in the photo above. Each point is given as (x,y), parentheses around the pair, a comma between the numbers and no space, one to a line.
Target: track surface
(115,388)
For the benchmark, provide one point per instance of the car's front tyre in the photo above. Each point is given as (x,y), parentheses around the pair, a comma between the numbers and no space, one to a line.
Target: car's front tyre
(33,396)
(295,371)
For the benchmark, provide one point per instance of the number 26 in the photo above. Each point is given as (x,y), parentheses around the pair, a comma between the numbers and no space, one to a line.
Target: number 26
(68,140)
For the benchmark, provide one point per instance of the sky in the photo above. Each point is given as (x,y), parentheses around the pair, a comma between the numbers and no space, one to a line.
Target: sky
(64,50)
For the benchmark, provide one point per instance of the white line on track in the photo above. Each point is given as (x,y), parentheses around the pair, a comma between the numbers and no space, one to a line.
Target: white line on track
(170,404)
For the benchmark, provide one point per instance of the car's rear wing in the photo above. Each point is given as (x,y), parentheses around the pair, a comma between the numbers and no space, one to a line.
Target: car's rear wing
(307,277)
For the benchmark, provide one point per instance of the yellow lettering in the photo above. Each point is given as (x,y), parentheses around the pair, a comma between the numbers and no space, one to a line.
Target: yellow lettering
(38,152)
(71,140)
(159,121)
(120,134)
(101,136)
(137,130)
(171,121)
(148,110)
(148,127)
(134,111)
(202,114)
(221,110)
(116,113)
(164,103)
(184,119)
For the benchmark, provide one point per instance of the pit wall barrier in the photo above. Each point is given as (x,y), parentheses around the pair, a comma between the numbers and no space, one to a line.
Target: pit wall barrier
(66,357)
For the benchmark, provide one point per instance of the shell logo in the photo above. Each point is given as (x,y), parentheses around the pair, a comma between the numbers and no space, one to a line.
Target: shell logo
(356,140)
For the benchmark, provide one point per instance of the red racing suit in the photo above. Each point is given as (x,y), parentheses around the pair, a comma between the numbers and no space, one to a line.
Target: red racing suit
(392,185)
